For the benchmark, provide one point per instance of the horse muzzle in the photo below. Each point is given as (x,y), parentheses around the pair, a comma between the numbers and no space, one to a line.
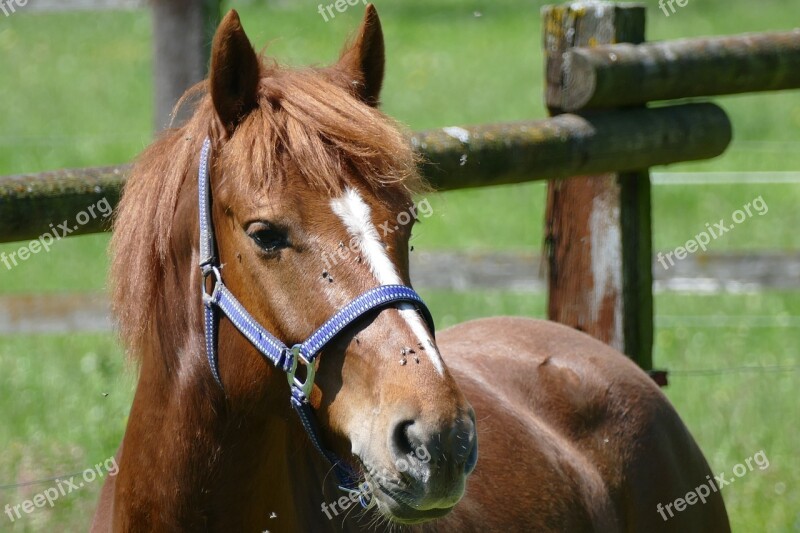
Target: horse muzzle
(430,470)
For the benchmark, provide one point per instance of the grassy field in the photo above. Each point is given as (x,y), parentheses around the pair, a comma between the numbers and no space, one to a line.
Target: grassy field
(77,90)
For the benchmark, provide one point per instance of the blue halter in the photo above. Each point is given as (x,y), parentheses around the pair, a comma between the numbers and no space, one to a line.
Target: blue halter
(220,299)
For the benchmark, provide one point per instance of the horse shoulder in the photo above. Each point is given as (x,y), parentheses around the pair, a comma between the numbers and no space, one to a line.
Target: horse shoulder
(583,409)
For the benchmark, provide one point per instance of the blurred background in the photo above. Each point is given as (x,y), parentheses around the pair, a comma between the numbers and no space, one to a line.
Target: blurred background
(77,91)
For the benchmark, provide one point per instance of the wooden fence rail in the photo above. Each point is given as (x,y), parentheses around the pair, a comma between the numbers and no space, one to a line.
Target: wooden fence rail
(619,75)
(455,158)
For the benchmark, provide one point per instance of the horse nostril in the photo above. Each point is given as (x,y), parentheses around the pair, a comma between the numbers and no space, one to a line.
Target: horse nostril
(402,439)
(466,442)
(455,447)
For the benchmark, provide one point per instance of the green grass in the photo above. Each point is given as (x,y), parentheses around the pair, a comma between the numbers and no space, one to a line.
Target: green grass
(77,92)
(735,415)
(65,400)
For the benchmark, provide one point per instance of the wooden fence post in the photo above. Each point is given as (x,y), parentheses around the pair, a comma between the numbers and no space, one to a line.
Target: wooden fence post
(182,34)
(598,233)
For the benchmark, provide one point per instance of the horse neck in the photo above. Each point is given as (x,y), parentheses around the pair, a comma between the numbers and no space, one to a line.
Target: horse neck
(233,462)
(234,458)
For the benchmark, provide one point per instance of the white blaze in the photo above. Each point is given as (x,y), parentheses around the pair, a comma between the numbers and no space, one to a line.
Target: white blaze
(356,215)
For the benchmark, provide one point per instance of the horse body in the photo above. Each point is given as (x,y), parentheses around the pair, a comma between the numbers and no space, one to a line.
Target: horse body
(574,437)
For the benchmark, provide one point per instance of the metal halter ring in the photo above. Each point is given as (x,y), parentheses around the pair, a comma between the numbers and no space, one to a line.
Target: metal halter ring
(311,371)
(209,270)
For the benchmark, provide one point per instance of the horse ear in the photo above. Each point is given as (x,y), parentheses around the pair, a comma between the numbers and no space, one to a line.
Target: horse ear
(364,59)
(234,74)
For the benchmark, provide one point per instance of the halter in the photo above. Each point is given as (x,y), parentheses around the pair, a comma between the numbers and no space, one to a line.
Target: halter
(220,299)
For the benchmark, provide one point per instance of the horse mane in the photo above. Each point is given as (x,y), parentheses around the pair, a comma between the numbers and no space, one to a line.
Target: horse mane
(307,119)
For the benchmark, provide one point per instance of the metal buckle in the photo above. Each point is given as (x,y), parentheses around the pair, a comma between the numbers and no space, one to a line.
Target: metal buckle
(311,371)
(209,270)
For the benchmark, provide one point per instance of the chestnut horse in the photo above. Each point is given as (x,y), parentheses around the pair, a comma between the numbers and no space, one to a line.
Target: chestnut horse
(303,167)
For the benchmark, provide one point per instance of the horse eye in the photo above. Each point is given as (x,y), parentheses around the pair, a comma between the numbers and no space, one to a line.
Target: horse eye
(268,238)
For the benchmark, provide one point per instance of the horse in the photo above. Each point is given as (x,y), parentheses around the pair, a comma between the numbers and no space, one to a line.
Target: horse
(214,278)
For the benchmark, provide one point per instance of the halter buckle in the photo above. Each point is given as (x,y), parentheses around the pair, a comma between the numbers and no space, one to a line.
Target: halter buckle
(311,371)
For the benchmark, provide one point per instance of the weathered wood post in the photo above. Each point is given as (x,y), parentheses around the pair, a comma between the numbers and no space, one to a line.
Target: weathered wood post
(598,233)
(182,34)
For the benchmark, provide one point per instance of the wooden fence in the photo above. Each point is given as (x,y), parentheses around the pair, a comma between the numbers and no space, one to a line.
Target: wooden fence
(600,75)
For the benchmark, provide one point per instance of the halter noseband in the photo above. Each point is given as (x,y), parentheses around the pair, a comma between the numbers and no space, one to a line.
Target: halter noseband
(220,299)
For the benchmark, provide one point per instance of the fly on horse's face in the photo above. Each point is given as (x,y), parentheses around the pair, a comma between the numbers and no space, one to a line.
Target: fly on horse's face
(307,177)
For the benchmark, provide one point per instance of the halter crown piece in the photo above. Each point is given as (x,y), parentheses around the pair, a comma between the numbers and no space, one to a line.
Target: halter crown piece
(220,299)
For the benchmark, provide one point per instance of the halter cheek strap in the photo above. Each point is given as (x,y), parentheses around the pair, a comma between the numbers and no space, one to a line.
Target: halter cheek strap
(220,300)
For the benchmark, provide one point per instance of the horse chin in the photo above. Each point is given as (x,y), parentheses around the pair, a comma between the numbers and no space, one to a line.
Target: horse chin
(407,507)
(393,507)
